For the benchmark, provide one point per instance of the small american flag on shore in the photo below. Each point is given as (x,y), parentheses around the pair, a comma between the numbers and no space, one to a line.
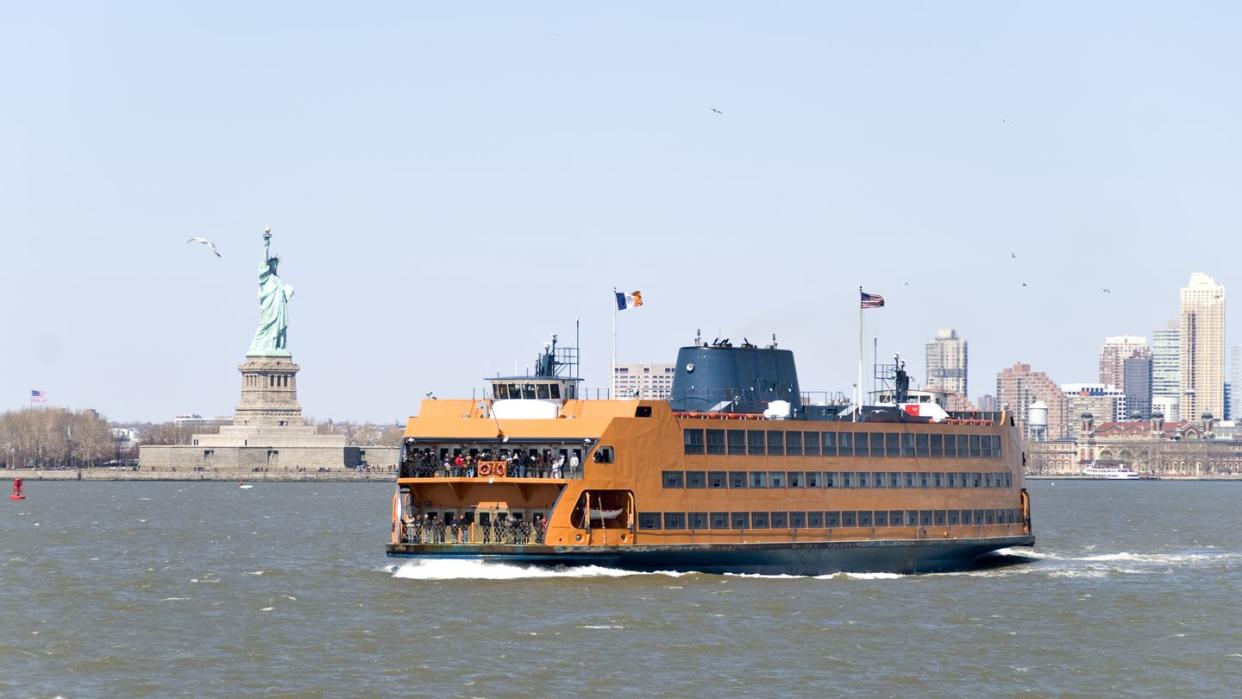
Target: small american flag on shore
(871,300)
(38,396)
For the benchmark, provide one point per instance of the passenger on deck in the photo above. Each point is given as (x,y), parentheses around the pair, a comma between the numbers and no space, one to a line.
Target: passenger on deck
(557,466)
(573,465)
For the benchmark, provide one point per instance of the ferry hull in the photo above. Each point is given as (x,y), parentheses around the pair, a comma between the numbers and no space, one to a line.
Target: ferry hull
(815,558)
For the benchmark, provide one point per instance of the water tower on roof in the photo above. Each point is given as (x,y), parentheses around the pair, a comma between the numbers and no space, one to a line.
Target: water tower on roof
(1037,421)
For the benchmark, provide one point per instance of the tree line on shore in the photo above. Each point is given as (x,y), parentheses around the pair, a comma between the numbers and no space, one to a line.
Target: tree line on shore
(62,438)
(55,438)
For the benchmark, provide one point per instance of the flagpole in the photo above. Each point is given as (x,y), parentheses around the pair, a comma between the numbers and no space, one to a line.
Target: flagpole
(858,390)
(612,370)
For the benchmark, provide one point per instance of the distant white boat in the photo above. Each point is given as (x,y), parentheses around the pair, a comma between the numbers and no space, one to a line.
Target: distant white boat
(244,486)
(1109,473)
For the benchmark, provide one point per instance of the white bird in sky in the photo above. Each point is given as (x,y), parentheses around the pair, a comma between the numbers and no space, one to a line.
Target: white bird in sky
(208,243)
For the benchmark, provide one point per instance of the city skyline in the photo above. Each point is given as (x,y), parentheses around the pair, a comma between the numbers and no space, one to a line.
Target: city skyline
(424,168)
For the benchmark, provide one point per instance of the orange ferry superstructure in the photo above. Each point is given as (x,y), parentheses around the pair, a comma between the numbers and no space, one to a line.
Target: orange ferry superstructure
(636,484)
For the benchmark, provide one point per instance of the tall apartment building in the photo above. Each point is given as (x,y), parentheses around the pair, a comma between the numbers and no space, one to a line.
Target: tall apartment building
(947,362)
(1113,355)
(1137,371)
(1105,403)
(1166,357)
(1202,365)
(1018,387)
(654,381)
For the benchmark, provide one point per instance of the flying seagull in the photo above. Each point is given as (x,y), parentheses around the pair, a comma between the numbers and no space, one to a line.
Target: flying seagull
(1108,291)
(716,111)
(1013,255)
(208,243)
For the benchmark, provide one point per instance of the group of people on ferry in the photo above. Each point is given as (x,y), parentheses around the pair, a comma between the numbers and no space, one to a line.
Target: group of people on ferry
(445,528)
(471,463)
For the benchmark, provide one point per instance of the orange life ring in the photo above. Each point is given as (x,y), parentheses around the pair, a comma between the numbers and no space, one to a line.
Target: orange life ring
(499,470)
(485,469)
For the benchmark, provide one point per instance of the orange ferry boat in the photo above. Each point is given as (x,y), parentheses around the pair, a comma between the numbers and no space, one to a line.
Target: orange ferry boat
(732,474)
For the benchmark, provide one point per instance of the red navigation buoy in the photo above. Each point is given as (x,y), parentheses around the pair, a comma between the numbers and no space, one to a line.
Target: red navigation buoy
(17,490)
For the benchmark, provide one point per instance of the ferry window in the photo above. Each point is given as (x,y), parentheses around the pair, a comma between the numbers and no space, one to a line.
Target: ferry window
(603,455)
(966,516)
(555,389)
(953,517)
(698,520)
(640,411)
(920,445)
(776,479)
(716,479)
(758,520)
(720,520)
(845,444)
(977,478)
(864,479)
(847,479)
(811,443)
(974,446)
(950,480)
(758,479)
(515,391)
(911,480)
(877,444)
(996,446)
(991,516)
(674,479)
(815,520)
(528,391)
(925,517)
(924,480)
(894,480)
(739,520)
(696,479)
(693,440)
(830,444)
(755,443)
(864,518)
(1008,479)
(542,391)
(912,518)
(985,447)
(646,520)
(950,446)
(737,479)
(570,391)
(849,518)
(877,480)
(1012,516)
(776,443)
(501,391)
(832,479)
(715,442)
(779,520)
(860,444)
(937,446)
(979,517)
(674,520)
(881,518)
(737,442)
(833,519)
(939,518)
(794,479)
(937,480)
(891,448)
(813,479)
(797,520)
(907,444)
(895,518)
(793,443)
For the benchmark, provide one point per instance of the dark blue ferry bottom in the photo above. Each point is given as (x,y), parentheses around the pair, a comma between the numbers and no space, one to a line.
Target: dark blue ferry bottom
(812,558)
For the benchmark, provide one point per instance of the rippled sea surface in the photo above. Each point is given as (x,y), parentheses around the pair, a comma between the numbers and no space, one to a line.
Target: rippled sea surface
(205,589)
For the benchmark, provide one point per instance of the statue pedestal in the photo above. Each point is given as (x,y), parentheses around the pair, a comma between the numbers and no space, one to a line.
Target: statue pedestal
(269,395)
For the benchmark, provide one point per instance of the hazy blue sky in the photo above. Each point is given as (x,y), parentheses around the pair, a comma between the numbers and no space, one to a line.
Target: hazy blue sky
(449,183)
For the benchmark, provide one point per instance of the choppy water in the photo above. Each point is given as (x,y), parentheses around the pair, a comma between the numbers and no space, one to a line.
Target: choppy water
(156,589)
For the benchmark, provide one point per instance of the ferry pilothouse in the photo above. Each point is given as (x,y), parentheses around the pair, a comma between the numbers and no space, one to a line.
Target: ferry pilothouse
(734,473)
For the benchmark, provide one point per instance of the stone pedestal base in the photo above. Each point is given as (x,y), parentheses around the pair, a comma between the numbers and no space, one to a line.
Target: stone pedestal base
(269,393)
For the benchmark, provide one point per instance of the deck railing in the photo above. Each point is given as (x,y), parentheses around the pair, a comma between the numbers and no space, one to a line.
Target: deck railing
(490,469)
(510,532)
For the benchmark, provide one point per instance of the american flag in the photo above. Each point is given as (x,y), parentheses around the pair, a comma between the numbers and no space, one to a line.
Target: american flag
(37,396)
(871,300)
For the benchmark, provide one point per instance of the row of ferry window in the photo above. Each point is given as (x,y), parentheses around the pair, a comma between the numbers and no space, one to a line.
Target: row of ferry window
(824,520)
(834,479)
(873,444)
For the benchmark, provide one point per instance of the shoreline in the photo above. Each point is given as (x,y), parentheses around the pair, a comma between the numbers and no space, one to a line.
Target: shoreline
(91,474)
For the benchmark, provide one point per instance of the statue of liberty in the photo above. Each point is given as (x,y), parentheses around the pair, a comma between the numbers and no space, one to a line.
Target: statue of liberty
(271,338)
